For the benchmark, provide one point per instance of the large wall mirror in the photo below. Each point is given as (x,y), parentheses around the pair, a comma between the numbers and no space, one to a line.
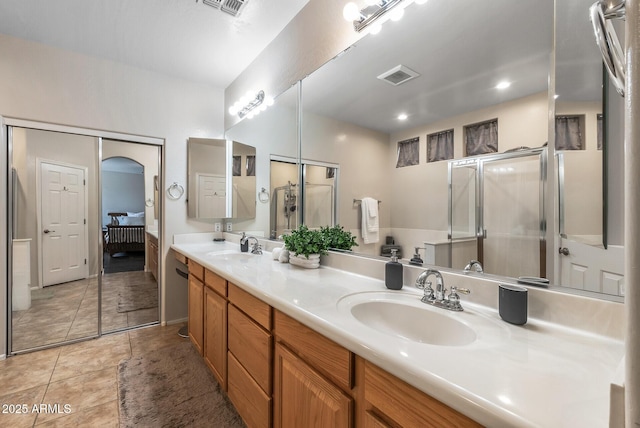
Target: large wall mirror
(396,108)
(273,133)
(447,128)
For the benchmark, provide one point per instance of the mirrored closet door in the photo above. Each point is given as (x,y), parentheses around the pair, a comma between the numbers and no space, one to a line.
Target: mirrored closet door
(83,234)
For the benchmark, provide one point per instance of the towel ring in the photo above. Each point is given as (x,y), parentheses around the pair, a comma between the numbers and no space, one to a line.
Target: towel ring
(263,196)
(149,202)
(175,191)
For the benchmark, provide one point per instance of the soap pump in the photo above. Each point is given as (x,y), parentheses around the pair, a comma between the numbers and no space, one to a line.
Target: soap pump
(393,272)
(416,259)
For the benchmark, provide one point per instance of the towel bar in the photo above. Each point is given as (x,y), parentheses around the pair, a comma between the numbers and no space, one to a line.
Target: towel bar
(355,201)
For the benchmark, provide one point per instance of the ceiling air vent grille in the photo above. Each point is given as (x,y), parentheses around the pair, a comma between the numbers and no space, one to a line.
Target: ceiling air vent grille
(232,7)
(398,75)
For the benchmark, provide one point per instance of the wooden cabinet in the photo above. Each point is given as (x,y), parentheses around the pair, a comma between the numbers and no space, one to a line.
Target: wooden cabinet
(304,398)
(250,357)
(279,372)
(313,378)
(388,401)
(152,255)
(196,305)
(215,334)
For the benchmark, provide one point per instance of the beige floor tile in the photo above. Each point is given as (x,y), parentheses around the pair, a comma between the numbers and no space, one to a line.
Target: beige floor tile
(103,415)
(92,355)
(81,392)
(26,371)
(152,338)
(17,409)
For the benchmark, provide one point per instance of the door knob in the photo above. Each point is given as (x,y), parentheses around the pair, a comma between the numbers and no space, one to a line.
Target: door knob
(564,251)
(48,231)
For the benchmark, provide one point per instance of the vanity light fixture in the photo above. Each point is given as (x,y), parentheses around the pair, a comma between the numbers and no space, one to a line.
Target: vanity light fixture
(375,13)
(251,105)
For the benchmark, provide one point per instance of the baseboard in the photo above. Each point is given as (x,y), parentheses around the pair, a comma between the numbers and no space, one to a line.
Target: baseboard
(3,357)
(178,321)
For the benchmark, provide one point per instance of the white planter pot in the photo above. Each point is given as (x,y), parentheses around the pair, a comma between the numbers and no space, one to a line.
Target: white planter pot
(312,262)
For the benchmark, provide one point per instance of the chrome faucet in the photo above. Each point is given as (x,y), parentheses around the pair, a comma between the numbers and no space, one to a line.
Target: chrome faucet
(438,297)
(473,264)
(256,248)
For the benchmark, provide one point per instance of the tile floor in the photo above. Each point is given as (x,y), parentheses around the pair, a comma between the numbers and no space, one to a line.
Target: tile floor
(81,379)
(70,311)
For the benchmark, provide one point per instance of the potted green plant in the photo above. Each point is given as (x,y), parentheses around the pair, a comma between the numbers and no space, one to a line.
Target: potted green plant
(336,238)
(305,246)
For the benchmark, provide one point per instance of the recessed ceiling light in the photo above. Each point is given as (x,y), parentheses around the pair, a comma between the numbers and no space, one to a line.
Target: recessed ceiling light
(402,116)
(503,85)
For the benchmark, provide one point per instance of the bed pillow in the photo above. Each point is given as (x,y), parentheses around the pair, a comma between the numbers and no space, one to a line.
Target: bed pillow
(131,221)
(140,214)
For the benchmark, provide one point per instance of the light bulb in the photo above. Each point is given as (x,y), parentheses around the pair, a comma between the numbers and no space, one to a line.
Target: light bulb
(402,116)
(396,14)
(503,85)
(250,114)
(262,107)
(375,28)
(233,110)
(269,101)
(351,12)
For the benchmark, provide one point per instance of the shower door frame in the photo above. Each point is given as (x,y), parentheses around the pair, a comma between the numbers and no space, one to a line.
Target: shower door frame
(7,124)
(480,232)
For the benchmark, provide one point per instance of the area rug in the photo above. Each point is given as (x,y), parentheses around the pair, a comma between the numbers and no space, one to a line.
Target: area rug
(172,387)
(136,295)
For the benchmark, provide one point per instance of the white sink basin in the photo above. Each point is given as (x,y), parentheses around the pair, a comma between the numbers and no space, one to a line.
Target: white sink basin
(404,316)
(232,255)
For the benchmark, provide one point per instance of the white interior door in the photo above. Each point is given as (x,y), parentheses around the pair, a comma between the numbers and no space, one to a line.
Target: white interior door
(64,229)
(212,196)
(592,268)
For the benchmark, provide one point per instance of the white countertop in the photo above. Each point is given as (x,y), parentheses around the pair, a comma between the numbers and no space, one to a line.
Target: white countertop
(538,375)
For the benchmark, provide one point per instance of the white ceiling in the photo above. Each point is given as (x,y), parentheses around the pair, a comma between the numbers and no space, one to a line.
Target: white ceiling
(181,38)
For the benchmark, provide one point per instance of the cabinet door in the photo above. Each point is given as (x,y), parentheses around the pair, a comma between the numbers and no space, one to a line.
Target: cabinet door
(215,335)
(196,312)
(303,398)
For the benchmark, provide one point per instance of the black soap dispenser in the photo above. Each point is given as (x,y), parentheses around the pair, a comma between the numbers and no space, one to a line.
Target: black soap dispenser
(393,272)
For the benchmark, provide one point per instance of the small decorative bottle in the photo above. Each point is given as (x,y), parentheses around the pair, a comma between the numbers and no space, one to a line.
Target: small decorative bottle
(393,272)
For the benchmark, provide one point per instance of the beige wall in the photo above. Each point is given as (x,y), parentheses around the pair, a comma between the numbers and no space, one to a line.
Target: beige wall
(47,84)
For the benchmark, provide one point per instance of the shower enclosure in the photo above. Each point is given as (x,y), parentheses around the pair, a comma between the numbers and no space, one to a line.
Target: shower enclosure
(312,204)
(496,212)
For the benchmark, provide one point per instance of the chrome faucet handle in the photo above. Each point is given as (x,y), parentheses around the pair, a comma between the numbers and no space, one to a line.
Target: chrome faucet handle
(256,249)
(453,300)
(428,292)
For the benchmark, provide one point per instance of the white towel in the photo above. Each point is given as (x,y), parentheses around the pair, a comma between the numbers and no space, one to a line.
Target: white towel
(370,228)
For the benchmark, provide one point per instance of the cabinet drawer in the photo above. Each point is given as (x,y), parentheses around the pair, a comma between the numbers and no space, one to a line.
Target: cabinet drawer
(406,405)
(246,395)
(331,359)
(196,270)
(259,311)
(251,345)
(215,282)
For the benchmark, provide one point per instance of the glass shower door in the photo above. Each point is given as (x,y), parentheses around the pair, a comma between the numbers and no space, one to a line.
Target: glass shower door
(512,216)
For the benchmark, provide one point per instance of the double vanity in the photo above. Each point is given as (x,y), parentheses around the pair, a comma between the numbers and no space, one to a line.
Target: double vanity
(333,347)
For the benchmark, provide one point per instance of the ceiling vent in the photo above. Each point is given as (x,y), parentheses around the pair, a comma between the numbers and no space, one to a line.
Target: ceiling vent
(398,75)
(232,7)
